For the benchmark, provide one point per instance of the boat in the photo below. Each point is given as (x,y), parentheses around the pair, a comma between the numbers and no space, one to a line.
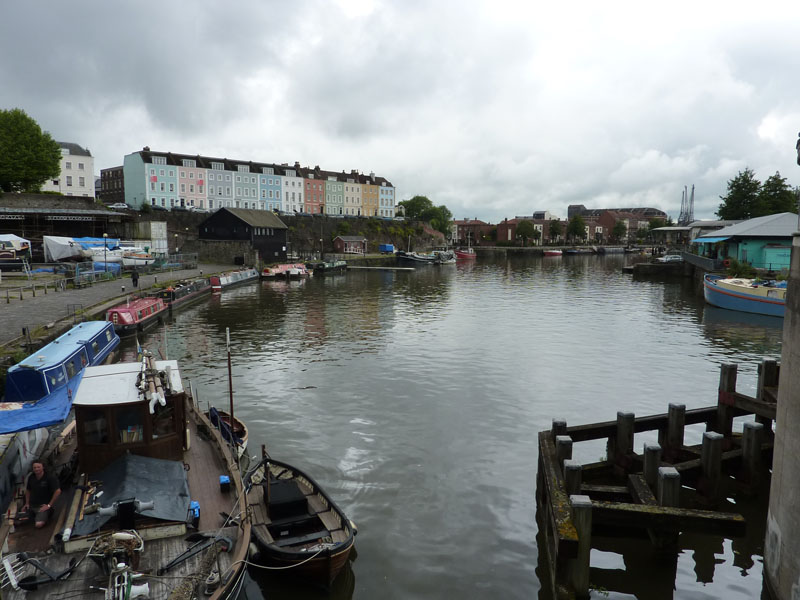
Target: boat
(465,254)
(137,314)
(221,420)
(184,292)
(553,252)
(145,513)
(288,270)
(137,258)
(763,297)
(302,529)
(327,267)
(444,257)
(232,278)
(437,257)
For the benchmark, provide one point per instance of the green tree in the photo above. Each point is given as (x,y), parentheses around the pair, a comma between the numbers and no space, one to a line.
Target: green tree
(576,227)
(415,207)
(28,155)
(776,196)
(657,222)
(525,230)
(742,198)
(556,230)
(619,231)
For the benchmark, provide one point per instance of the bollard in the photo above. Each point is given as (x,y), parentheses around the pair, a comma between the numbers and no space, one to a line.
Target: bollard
(711,465)
(123,289)
(559,427)
(573,476)
(563,448)
(669,486)
(752,436)
(652,462)
(156,278)
(579,567)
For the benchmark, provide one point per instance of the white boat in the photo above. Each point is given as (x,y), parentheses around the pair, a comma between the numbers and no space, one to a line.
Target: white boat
(137,258)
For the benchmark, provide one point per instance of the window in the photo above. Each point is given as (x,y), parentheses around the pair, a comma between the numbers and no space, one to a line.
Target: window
(163,187)
(171,187)
(95,426)
(191,175)
(161,172)
(238,191)
(171,173)
(80,166)
(191,188)
(217,166)
(159,160)
(211,189)
(183,188)
(227,177)
(69,180)
(244,169)
(211,177)
(163,420)
(238,178)
(130,426)
(68,165)
(81,181)
(227,191)
(152,171)
(187,162)
(200,189)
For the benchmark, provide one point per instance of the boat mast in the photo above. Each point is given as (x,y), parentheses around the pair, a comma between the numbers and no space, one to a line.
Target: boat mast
(230,379)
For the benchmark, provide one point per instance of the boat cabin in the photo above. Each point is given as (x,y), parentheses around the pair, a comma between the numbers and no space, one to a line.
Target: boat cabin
(120,410)
(135,314)
(60,361)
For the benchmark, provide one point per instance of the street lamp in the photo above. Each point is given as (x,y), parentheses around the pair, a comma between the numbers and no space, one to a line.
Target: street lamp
(176,243)
(320,248)
(105,247)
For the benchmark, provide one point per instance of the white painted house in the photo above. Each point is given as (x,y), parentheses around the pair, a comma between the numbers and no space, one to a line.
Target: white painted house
(77,172)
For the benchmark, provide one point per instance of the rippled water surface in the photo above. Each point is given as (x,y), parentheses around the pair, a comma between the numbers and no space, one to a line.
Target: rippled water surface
(415,399)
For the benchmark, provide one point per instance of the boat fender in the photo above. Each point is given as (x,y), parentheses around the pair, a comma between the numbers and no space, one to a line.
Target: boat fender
(188,440)
(123,536)
(353,527)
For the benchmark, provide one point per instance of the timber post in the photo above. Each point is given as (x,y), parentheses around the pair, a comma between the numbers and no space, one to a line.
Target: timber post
(766,391)
(563,449)
(622,448)
(579,567)
(652,462)
(559,427)
(725,399)
(669,486)
(573,476)
(752,437)
(676,423)
(711,466)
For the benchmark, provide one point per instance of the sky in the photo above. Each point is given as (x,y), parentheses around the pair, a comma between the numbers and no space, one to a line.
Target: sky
(493,109)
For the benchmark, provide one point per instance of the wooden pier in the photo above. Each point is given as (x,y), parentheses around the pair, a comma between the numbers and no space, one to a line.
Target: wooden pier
(665,489)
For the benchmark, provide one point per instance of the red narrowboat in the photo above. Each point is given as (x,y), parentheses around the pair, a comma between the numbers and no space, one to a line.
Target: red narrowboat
(136,315)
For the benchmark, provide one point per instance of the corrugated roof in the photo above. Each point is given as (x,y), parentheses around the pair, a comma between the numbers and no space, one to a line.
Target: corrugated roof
(780,225)
(257,218)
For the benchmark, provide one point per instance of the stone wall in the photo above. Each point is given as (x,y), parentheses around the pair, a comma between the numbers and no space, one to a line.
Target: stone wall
(221,252)
(48,201)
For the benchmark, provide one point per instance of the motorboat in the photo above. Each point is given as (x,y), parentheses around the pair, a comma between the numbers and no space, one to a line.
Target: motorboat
(764,297)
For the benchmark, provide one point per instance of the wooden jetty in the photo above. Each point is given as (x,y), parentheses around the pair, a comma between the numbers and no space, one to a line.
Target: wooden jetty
(668,488)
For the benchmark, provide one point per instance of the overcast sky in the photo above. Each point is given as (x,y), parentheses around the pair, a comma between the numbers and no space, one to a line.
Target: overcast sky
(494,109)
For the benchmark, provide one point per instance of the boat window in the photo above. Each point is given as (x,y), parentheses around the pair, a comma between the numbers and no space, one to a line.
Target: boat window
(139,314)
(95,426)
(163,420)
(130,426)
(25,384)
(95,348)
(70,369)
(108,334)
(55,377)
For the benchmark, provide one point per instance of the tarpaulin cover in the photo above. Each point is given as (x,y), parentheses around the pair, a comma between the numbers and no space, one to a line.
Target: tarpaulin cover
(52,409)
(146,479)
(14,241)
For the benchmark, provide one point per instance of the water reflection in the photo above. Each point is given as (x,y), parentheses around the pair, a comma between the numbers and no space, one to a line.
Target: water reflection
(414,399)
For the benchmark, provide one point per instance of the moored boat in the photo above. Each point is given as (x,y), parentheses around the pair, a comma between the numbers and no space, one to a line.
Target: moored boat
(288,270)
(146,479)
(184,292)
(231,278)
(764,297)
(136,314)
(236,435)
(137,258)
(465,254)
(327,267)
(303,530)
(553,252)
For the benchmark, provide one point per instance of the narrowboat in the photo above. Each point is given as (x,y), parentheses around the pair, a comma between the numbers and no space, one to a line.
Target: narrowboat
(301,528)
(231,278)
(136,315)
(327,267)
(748,295)
(148,487)
(289,271)
(182,293)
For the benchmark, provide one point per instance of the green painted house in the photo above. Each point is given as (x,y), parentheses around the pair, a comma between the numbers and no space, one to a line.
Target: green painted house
(763,242)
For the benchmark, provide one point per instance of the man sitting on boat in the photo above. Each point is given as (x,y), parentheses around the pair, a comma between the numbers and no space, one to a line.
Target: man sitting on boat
(41,492)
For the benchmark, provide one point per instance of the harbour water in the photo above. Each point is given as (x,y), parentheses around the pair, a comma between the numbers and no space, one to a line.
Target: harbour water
(415,398)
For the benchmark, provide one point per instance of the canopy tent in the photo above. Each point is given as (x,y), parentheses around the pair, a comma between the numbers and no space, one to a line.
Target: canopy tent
(58,248)
(9,240)
(709,240)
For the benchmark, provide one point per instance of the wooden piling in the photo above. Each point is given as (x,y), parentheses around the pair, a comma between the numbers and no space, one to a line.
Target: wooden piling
(579,567)
(767,389)
(563,449)
(669,487)
(652,462)
(725,399)
(559,427)
(573,477)
(676,423)
(752,465)
(711,466)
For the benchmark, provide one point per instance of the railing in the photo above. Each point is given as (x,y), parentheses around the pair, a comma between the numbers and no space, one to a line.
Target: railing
(703,262)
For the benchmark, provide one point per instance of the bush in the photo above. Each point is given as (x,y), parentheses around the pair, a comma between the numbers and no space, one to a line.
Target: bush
(740,269)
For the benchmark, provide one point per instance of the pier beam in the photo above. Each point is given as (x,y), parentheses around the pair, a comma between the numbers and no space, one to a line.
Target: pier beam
(579,567)
(782,544)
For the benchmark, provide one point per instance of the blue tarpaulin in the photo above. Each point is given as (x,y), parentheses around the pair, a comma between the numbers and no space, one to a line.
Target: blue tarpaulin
(90,242)
(50,410)
(100,267)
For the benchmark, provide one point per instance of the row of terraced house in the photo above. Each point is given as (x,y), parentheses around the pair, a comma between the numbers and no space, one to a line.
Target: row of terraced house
(167,180)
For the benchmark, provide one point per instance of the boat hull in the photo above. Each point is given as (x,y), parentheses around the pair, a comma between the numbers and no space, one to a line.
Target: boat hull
(465,254)
(737,297)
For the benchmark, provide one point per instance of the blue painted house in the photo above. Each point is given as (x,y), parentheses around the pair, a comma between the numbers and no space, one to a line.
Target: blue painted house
(763,242)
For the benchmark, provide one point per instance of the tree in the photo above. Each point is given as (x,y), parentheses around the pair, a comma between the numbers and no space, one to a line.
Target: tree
(742,198)
(776,196)
(28,155)
(619,231)
(415,207)
(525,230)
(556,230)
(576,227)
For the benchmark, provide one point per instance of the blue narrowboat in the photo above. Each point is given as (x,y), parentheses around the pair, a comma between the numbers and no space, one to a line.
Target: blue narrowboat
(39,390)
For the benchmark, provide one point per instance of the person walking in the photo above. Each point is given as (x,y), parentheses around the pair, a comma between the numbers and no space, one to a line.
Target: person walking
(135,278)
(41,492)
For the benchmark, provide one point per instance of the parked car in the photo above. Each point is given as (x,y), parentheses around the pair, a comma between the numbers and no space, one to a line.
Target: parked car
(118,206)
(669,258)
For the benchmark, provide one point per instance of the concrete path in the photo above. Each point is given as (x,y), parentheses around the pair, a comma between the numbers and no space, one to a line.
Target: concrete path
(54,310)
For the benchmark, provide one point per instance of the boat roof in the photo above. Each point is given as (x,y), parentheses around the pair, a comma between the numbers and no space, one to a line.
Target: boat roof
(64,346)
(136,303)
(116,384)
